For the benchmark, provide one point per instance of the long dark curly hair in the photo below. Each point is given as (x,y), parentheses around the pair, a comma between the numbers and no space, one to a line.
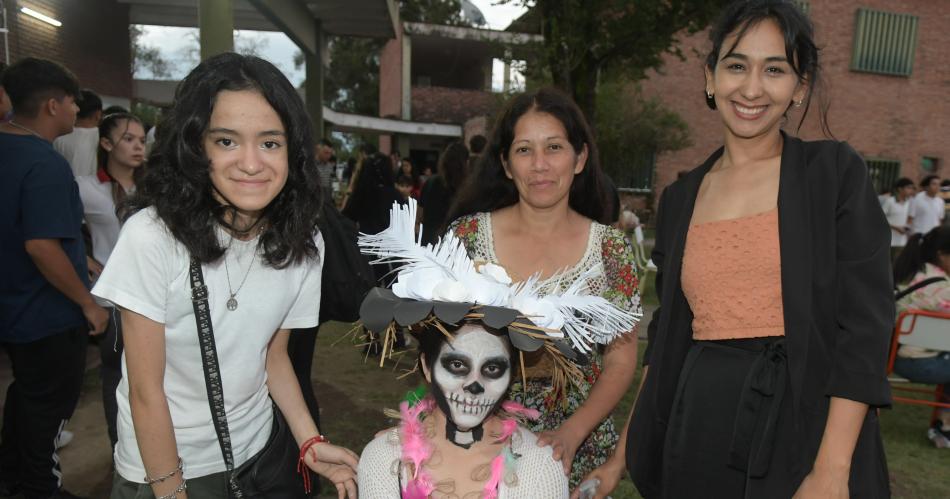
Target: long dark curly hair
(177,182)
(487,188)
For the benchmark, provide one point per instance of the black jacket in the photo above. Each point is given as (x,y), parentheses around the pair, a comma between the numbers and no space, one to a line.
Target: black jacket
(838,308)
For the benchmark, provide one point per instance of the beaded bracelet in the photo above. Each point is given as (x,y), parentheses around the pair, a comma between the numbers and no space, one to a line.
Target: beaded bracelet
(181,488)
(166,476)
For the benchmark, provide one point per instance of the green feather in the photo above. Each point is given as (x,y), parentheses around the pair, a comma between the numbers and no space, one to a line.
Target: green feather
(414,396)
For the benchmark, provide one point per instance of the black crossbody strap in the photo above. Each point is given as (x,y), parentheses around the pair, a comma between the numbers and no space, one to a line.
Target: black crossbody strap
(915,287)
(209,364)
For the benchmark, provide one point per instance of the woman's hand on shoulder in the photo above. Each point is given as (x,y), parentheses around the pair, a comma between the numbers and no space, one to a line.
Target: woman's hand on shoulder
(336,464)
(564,442)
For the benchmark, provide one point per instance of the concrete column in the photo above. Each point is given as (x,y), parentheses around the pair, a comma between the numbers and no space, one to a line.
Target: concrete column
(406,77)
(506,81)
(314,83)
(402,145)
(488,68)
(216,27)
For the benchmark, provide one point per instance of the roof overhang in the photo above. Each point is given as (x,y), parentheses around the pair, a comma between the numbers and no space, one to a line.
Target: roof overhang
(493,43)
(162,92)
(346,122)
(367,18)
(474,34)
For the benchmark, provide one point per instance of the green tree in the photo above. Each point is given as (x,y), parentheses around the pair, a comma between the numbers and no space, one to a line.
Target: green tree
(584,40)
(432,11)
(146,57)
(632,130)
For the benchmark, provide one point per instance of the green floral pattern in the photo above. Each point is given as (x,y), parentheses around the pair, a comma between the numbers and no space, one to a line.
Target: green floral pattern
(619,284)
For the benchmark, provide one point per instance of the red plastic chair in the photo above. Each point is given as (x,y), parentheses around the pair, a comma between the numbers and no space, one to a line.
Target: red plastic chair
(924,329)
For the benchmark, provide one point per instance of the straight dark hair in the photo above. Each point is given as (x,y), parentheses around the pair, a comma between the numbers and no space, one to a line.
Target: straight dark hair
(89,103)
(800,49)
(921,249)
(31,81)
(489,189)
(453,165)
(925,182)
(177,181)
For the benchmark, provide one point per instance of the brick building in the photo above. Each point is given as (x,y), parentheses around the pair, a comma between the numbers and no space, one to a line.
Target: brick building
(887,80)
(92,41)
(435,74)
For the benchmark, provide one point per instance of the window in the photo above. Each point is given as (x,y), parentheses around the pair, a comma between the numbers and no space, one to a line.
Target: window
(638,176)
(884,42)
(802,5)
(883,173)
(929,164)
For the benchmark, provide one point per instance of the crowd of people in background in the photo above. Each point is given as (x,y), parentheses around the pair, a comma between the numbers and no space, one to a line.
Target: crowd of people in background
(116,230)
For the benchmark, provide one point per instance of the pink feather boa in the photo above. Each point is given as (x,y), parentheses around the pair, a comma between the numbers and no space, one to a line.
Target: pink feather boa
(416,450)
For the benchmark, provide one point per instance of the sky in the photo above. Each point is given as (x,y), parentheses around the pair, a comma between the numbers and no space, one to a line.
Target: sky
(179,45)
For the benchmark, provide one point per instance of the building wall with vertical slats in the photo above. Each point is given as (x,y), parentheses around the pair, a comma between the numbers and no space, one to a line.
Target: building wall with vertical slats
(883,172)
(884,42)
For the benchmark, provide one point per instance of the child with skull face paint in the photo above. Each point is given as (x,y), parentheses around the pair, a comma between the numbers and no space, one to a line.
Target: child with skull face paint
(468,379)
(465,439)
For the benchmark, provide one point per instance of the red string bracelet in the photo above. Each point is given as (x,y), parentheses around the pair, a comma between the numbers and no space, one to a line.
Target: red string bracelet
(302,467)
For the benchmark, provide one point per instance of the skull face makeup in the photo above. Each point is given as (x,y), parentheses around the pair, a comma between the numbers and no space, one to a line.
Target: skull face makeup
(471,375)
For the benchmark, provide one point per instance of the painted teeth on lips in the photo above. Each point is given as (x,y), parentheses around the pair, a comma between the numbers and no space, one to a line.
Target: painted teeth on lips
(749,110)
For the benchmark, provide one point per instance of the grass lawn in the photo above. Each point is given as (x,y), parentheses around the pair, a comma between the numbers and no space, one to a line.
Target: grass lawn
(353,394)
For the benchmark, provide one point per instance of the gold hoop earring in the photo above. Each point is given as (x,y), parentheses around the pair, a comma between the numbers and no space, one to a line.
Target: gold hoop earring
(799,103)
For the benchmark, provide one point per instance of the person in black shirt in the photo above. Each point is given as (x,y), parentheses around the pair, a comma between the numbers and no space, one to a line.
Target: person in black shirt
(439,191)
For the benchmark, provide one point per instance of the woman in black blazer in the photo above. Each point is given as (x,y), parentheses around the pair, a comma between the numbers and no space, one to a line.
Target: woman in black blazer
(805,424)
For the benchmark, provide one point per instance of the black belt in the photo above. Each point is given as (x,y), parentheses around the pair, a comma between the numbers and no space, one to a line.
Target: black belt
(758,411)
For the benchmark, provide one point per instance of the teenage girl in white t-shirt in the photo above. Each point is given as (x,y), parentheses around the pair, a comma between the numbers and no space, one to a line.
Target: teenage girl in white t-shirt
(231,183)
(121,152)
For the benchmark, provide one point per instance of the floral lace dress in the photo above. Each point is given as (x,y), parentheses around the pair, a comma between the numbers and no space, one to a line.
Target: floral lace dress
(618,283)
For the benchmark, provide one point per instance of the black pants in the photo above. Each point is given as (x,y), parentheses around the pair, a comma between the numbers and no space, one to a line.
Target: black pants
(110,350)
(47,378)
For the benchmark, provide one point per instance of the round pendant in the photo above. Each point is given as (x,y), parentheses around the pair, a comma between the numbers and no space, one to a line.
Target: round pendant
(232,304)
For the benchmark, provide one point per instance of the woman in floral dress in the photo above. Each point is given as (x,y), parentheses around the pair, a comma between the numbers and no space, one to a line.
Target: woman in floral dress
(537,204)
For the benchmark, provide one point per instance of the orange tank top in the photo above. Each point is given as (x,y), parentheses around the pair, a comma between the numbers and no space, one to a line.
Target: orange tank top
(732,278)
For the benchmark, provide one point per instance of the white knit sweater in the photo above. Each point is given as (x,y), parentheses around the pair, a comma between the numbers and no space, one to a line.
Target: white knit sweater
(539,475)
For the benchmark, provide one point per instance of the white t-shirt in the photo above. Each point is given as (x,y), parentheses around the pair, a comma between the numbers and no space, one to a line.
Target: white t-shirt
(927,212)
(99,213)
(79,148)
(147,273)
(896,214)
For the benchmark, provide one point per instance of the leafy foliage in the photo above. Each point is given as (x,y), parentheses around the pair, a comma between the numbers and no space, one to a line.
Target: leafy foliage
(432,11)
(632,130)
(587,39)
(146,57)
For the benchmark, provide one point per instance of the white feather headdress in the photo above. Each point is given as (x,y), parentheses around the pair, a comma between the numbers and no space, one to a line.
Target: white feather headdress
(443,272)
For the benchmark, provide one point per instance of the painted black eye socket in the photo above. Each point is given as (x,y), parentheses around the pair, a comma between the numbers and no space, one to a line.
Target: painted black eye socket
(494,370)
(456,366)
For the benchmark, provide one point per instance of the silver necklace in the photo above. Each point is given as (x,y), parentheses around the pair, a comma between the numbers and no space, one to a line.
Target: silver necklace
(232,300)
(25,129)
